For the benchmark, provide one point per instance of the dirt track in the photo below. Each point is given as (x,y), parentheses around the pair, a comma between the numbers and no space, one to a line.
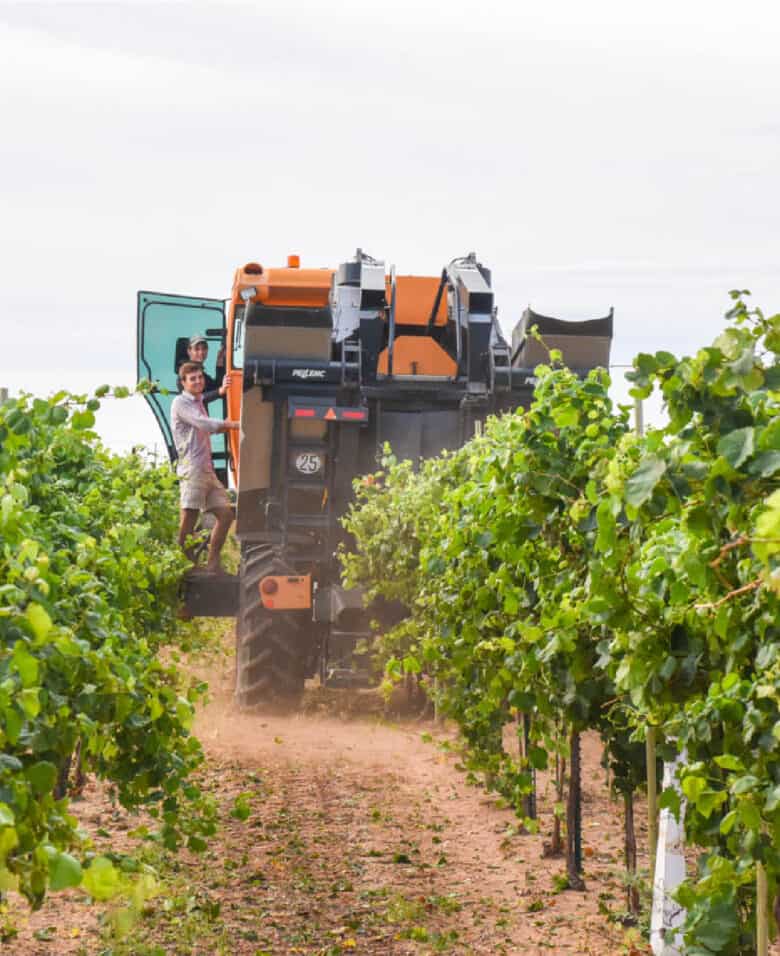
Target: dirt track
(361,837)
(396,819)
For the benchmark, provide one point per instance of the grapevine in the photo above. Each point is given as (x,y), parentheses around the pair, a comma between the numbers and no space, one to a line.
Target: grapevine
(88,596)
(562,567)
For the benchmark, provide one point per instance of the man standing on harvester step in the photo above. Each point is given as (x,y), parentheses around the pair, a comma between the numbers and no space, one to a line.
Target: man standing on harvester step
(200,489)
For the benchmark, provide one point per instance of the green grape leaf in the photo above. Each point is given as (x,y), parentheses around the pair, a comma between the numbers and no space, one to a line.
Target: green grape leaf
(765,464)
(30,701)
(25,664)
(64,871)
(101,879)
(640,485)
(39,621)
(737,446)
(715,929)
(42,775)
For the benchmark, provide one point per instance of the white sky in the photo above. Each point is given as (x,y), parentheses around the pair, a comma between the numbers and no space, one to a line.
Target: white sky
(593,154)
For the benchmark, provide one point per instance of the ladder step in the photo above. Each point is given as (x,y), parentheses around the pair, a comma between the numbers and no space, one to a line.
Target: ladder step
(311,521)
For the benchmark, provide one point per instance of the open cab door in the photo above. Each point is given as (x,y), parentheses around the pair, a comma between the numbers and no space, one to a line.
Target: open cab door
(165,324)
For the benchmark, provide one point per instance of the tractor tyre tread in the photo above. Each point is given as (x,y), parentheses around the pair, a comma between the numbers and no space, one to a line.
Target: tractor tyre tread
(269,644)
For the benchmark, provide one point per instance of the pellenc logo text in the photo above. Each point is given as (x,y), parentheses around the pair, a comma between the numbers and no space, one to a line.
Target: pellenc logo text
(308,373)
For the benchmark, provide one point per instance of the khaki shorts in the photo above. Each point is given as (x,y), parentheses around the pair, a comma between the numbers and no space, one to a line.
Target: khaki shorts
(203,493)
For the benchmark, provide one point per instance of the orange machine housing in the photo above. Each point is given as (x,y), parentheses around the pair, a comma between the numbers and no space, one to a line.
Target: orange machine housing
(286,592)
(414,298)
(291,286)
(418,355)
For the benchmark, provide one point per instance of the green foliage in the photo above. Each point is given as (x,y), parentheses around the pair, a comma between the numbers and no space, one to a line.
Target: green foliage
(561,566)
(395,509)
(695,646)
(88,594)
(483,545)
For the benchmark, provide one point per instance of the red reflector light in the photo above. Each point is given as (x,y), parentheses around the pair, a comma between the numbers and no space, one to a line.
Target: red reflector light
(359,416)
(305,413)
(269,586)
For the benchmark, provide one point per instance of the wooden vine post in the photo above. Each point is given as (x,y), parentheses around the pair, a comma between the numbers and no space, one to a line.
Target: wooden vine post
(629,852)
(762,911)
(556,843)
(529,800)
(652,795)
(574,817)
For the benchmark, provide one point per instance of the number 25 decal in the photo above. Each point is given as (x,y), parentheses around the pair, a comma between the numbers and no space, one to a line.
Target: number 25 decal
(308,463)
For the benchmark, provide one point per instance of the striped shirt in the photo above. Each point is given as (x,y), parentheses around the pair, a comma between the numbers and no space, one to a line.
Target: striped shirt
(192,430)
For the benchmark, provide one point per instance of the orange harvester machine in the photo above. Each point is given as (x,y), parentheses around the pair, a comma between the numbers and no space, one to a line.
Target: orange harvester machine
(326,367)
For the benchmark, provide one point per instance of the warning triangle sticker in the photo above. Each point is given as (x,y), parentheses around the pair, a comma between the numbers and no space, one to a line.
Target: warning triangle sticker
(330,415)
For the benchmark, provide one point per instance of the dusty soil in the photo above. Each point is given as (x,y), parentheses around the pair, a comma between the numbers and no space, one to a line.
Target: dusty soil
(362,836)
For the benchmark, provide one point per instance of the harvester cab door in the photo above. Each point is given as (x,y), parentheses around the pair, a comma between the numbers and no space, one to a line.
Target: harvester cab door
(165,324)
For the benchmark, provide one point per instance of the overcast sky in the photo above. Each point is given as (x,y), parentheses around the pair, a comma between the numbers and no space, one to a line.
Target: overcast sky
(593,154)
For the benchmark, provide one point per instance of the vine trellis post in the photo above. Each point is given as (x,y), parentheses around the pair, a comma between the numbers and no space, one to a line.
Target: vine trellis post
(668,915)
(652,793)
(650,737)
(529,800)
(762,911)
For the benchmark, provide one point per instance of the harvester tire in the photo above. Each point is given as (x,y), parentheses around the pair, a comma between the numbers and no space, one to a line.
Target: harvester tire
(270,645)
